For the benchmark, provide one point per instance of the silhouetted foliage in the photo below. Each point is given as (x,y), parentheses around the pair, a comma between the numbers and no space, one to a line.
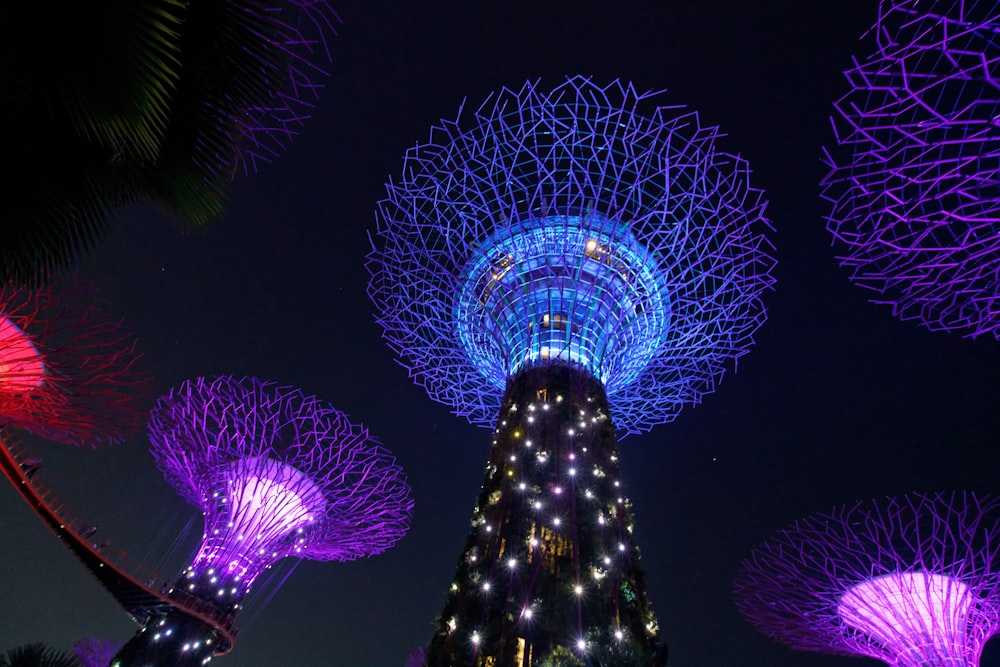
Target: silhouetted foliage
(37,654)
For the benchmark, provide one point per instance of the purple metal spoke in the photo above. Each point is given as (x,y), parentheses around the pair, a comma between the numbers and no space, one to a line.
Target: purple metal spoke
(299,36)
(914,181)
(911,581)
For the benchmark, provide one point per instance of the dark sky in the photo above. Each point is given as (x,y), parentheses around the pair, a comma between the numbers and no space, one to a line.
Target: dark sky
(837,401)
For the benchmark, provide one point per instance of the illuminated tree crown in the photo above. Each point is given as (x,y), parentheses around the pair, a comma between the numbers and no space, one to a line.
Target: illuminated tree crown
(69,370)
(911,581)
(913,185)
(564,225)
(276,473)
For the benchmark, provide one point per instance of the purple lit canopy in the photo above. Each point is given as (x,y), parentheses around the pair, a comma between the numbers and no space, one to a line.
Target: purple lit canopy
(276,473)
(914,182)
(253,72)
(911,581)
(566,224)
(300,31)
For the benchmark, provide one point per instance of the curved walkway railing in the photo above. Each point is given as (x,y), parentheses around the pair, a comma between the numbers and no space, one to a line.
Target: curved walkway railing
(138,599)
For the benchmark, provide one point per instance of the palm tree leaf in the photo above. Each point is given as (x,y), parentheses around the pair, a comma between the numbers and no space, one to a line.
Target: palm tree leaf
(111,73)
(37,654)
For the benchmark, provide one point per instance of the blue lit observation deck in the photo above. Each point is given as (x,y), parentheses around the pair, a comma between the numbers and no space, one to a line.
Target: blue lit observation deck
(571,288)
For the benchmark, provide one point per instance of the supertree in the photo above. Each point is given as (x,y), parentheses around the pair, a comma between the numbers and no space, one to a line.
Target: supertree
(570,265)
(913,185)
(276,474)
(911,581)
(155,100)
(69,370)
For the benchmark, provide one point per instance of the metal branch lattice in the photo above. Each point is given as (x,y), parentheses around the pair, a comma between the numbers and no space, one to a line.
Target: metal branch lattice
(565,225)
(911,581)
(914,181)
(69,370)
(276,473)
(299,37)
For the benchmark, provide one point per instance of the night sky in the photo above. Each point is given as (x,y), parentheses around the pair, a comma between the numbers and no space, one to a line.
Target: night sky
(837,401)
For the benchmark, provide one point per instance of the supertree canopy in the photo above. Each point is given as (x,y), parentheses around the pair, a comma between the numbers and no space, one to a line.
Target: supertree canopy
(69,371)
(913,180)
(562,260)
(911,581)
(252,75)
(276,474)
(299,52)
(564,225)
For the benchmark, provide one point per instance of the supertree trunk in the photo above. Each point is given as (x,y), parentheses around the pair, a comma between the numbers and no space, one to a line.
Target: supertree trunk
(550,568)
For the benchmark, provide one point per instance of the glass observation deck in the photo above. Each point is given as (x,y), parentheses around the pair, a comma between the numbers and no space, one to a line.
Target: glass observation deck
(572,288)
